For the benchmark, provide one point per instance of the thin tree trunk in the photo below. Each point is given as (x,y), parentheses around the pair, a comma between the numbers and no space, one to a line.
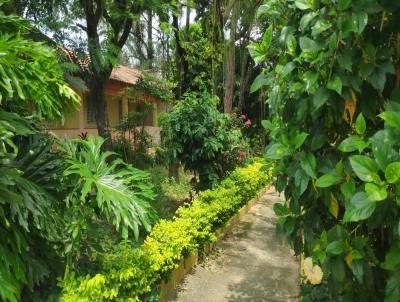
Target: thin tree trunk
(98,98)
(181,61)
(173,171)
(230,62)
(150,46)
(187,17)
(245,72)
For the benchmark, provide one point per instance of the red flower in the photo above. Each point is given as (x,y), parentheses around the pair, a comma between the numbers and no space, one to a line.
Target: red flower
(242,154)
(248,123)
(244,117)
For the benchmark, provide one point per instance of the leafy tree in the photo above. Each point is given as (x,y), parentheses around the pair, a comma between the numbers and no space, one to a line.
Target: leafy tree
(107,27)
(330,71)
(202,138)
(47,198)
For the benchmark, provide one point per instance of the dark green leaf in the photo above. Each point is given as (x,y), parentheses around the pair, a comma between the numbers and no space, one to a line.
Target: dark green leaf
(320,97)
(359,208)
(309,164)
(260,81)
(359,21)
(335,84)
(299,139)
(336,248)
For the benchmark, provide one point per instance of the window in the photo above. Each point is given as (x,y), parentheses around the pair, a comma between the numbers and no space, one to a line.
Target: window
(90,110)
(146,109)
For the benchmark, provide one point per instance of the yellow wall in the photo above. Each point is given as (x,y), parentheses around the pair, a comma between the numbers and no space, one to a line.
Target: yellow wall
(115,112)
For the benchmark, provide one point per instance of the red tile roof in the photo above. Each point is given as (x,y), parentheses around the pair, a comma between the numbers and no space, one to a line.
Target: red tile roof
(125,74)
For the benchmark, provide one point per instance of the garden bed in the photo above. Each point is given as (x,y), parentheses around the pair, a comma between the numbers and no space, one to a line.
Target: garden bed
(168,251)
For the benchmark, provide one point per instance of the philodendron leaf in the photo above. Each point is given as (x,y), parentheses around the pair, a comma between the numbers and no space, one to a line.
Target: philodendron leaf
(359,208)
(360,124)
(365,168)
(392,172)
(327,180)
(352,143)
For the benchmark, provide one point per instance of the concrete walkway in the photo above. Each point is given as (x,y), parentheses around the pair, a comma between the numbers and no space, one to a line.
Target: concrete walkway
(252,264)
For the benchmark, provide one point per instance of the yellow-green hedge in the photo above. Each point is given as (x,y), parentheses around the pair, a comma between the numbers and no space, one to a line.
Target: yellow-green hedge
(131,274)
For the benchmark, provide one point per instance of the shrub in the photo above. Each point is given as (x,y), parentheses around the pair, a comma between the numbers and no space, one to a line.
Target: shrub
(333,78)
(202,138)
(131,274)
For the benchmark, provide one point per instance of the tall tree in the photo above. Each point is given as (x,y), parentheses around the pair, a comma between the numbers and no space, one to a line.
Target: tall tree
(231,59)
(107,27)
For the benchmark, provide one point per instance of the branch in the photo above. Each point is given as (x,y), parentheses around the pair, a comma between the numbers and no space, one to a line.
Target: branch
(125,33)
(81,26)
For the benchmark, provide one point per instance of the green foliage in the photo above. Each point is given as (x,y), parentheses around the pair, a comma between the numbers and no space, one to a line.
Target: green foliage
(150,85)
(202,138)
(334,124)
(30,74)
(111,189)
(132,274)
(133,142)
(50,197)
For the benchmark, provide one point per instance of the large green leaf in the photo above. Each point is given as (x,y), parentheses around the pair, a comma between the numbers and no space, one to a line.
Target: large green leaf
(275,151)
(327,180)
(309,165)
(360,124)
(392,172)
(336,247)
(359,208)
(352,143)
(391,118)
(335,84)
(260,81)
(375,193)
(320,97)
(364,167)
(359,21)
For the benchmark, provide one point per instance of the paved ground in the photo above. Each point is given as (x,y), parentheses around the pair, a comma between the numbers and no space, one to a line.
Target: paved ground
(252,264)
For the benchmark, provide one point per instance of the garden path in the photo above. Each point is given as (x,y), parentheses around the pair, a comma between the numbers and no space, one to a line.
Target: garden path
(252,264)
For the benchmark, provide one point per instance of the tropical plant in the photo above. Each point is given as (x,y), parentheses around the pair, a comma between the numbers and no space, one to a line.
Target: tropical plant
(45,196)
(330,71)
(133,274)
(202,138)
(102,188)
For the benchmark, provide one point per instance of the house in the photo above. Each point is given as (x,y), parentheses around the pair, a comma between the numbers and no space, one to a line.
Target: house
(82,120)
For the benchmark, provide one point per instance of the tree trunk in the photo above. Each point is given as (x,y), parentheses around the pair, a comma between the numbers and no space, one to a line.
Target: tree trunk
(150,46)
(97,97)
(230,62)
(181,61)
(173,171)
(245,72)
